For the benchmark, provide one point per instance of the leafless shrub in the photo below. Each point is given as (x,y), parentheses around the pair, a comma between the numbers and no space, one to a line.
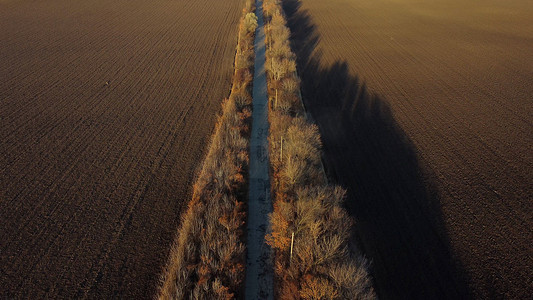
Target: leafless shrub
(279,51)
(242,61)
(285,106)
(291,85)
(242,99)
(250,22)
(318,288)
(278,20)
(243,77)
(280,36)
(249,6)
(280,67)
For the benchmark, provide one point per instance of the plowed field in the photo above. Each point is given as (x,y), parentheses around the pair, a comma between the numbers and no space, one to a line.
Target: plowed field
(105,110)
(426,112)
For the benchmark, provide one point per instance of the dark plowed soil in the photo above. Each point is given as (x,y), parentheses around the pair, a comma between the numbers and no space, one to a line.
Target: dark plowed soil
(425,109)
(105,109)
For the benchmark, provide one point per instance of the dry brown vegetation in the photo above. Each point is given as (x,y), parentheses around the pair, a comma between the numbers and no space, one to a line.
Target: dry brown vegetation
(106,108)
(208,257)
(425,114)
(324,264)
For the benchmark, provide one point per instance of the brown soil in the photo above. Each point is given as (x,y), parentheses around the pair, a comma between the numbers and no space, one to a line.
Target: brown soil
(426,116)
(105,109)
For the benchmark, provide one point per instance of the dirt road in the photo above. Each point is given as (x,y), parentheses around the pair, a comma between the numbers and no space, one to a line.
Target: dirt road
(259,276)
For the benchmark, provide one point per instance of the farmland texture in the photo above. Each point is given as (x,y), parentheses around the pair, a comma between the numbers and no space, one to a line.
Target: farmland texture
(425,111)
(105,110)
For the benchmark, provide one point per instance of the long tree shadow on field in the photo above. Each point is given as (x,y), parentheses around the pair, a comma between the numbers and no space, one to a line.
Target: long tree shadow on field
(399,222)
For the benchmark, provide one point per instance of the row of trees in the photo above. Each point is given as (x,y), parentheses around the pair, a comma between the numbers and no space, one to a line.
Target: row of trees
(310,229)
(208,256)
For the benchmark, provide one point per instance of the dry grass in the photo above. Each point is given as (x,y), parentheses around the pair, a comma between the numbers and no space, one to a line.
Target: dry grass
(321,265)
(207,260)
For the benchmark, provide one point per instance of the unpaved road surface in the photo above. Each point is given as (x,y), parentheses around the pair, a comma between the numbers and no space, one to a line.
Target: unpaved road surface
(438,163)
(105,109)
(259,284)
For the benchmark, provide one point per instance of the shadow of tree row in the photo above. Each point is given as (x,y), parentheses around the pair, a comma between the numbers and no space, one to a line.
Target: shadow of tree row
(399,221)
